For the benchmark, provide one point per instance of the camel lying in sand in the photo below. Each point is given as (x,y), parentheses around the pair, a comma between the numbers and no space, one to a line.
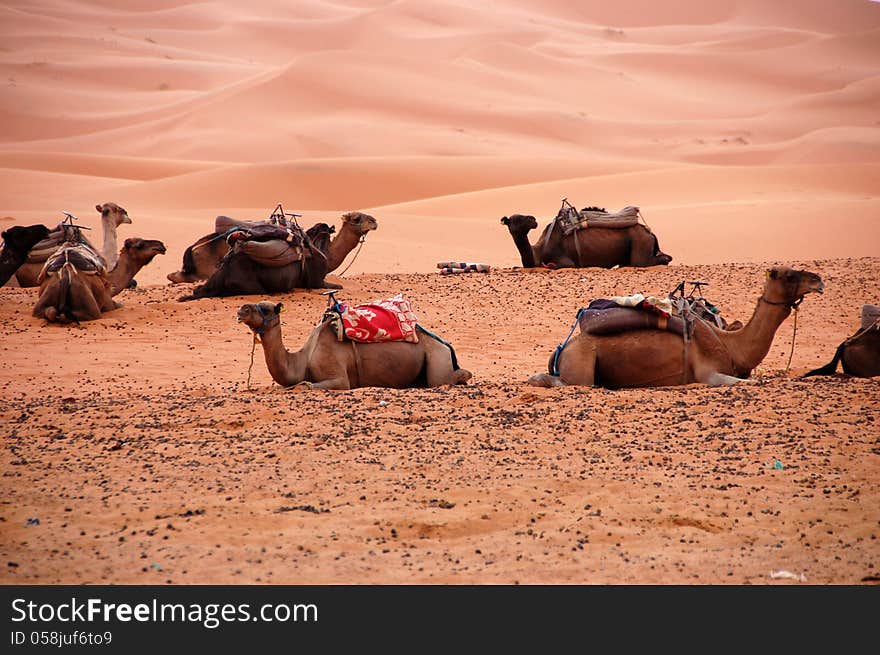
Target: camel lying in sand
(650,358)
(75,286)
(240,275)
(594,246)
(860,354)
(112,216)
(326,363)
(17,243)
(201,259)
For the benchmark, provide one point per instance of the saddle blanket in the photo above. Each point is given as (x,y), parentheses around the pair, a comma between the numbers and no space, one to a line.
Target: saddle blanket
(391,319)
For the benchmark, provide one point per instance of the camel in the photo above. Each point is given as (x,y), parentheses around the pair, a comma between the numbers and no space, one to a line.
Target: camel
(112,216)
(860,353)
(75,286)
(17,243)
(649,358)
(239,275)
(595,246)
(327,363)
(201,259)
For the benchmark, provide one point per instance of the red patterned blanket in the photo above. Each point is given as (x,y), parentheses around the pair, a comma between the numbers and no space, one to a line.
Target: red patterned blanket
(391,319)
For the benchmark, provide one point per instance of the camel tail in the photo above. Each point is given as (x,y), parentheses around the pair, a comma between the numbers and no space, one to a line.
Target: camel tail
(831,367)
(63,313)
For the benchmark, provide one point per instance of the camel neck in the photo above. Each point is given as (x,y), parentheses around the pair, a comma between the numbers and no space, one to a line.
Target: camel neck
(526,253)
(109,250)
(751,344)
(340,246)
(121,274)
(286,368)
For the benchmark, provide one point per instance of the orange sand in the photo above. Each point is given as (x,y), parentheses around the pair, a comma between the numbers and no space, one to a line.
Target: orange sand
(746,131)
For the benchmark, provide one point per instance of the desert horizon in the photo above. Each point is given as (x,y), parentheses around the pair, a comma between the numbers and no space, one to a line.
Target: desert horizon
(746,133)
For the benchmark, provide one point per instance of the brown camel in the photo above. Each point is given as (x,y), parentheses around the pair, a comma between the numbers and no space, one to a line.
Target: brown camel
(75,286)
(594,246)
(326,363)
(650,358)
(239,275)
(201,259)
(112,216)
(17,243)
(860,354)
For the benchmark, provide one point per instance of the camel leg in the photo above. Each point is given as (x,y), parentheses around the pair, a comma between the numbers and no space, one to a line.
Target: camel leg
(577,363)
(340,383)
(438,365)
(545,380)
(563,262)
(83,304)
(48,298)
(716,379)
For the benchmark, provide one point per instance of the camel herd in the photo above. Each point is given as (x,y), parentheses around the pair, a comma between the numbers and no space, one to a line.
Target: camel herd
(77,282)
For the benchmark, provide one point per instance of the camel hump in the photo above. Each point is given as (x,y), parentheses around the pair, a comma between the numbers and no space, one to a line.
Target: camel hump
(870,316)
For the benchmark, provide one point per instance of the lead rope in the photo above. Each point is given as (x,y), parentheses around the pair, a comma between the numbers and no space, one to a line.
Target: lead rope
(358,252)
(793,337)
(253,348)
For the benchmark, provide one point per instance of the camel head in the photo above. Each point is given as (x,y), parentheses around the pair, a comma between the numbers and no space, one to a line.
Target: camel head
(142,251)
(361,223)
(112,211)
(22,239)
(519,224)
(260,316)
(786,286)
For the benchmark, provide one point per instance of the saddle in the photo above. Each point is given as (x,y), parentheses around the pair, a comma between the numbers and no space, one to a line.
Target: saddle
(614,320)
(570,220)
(637,312)
(391,319)
(269,245)
(59,235)
(83,258)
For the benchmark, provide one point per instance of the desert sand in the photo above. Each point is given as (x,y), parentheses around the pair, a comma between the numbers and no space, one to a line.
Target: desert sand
(135,452)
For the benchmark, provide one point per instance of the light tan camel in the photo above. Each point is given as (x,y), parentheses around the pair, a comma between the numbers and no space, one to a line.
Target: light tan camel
(652,358)
(326,363)
(200,260)
(112,216)
(74,285)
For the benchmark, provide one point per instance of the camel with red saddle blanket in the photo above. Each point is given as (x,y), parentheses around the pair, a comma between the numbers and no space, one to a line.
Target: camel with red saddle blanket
(329,360)
(655,357)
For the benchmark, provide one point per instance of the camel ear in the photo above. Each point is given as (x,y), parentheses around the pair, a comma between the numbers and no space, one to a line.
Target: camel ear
(132,242)
(505,220)
(771,273)
(278,308)
(100,209)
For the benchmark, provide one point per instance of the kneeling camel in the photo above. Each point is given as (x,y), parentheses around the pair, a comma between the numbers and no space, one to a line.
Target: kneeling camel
(326,363)
(652,358)
(75,286)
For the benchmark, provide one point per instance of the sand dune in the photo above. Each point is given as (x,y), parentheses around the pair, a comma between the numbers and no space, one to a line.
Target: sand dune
(746,131)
